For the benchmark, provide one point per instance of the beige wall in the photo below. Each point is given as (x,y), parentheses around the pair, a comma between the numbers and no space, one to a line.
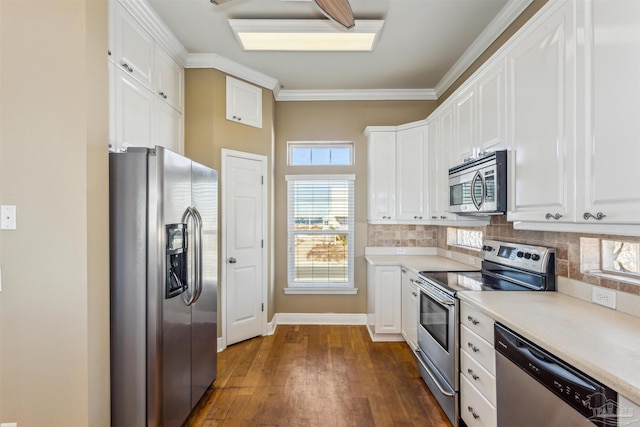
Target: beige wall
(54,320)
(331,121)
(207,132)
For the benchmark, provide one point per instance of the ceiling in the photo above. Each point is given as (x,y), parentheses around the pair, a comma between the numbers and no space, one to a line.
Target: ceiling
(423,47)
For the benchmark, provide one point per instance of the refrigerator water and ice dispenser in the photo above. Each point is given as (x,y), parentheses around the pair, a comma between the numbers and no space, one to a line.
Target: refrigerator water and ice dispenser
(176,277)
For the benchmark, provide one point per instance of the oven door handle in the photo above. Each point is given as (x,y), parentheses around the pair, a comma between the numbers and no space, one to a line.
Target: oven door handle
(448,393)
(434,296)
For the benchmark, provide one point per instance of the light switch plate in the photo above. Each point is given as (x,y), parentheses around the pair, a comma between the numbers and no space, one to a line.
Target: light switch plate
(7,218)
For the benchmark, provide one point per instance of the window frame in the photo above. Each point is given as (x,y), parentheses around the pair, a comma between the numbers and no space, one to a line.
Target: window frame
(291,145)
(621,274)
(453,238)
(321,287)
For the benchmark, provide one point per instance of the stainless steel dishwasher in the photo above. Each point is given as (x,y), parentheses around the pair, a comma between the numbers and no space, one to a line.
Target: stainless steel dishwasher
(537,389)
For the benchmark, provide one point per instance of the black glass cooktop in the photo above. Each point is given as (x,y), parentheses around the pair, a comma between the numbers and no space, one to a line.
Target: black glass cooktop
(452,282)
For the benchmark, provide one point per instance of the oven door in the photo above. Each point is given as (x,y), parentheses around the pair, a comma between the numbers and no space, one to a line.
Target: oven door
(437,331)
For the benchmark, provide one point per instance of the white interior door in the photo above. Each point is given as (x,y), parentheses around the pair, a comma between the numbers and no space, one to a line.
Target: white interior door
(244,247)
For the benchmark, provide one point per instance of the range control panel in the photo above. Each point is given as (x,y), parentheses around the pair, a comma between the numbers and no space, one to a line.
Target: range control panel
(526,257)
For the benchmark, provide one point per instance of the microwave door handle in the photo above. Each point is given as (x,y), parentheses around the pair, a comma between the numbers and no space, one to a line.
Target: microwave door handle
(477,177)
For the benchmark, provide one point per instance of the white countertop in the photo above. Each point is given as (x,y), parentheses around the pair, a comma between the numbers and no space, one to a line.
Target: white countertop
(422,259)
(601,342)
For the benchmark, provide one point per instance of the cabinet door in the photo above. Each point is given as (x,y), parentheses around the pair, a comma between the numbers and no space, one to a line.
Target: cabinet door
(133,111)
(169,80)
(409,311)
(446,160)
(388,300)
(133,50)
(610,148)
(541,80)
(491,115)
(244,103)
(382,176)
(464,136)
(168,127)
(412,184)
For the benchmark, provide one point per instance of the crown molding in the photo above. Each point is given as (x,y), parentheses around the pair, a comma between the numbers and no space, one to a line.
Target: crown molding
(149,19)
(507,15)
(211,60)
(358,95)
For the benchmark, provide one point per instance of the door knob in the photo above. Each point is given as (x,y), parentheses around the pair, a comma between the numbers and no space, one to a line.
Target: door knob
(232,260)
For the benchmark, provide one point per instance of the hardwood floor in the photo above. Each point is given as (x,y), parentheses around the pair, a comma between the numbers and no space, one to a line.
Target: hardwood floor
(314,375)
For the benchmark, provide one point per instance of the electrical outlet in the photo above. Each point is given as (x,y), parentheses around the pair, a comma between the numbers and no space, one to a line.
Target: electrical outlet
(7,220)
(8,424)
(401,251)
(604,297)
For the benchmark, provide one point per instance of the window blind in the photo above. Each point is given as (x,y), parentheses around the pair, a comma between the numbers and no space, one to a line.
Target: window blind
(320,230)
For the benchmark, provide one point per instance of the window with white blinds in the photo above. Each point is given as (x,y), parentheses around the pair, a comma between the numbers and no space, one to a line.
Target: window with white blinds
(320,231)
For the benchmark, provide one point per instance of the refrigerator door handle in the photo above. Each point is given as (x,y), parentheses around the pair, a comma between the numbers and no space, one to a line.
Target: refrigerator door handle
(199,284)
(189,213)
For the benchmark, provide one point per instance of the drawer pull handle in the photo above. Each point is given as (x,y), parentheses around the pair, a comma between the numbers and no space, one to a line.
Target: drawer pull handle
(474,376)
(473,347)
(475,416)
(472,320)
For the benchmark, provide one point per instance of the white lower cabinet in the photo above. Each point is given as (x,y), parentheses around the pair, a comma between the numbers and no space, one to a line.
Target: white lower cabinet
(477,368)
(384,304)
(410,308)
(475,409)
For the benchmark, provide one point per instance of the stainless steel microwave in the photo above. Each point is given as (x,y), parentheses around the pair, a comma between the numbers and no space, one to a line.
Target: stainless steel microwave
(479,187)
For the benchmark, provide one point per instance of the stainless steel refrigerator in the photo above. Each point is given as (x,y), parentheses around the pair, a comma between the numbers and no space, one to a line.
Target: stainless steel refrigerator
(164,281)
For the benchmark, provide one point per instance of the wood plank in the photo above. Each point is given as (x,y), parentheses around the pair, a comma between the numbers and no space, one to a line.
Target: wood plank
(317,376)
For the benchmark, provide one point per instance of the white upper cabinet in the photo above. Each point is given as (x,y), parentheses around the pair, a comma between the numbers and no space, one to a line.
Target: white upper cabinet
(440,134)
(133,110)
(146,86)
(479,111)
(131,46)
(412,161)
(169,80)
(465,129)
(381,176)
(491,100)
(168,128)
(541,117)
(244,103)
(609,123)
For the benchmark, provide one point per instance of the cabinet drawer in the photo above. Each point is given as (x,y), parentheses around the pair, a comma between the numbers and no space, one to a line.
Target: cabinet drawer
(477,321)
(479,349)
(475,410)
(477,375)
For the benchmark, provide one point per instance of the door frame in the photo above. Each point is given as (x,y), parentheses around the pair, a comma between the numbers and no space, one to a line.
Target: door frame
(225,155)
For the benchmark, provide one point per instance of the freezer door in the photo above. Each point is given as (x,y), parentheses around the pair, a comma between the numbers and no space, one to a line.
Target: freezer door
(204,312)
(174,186)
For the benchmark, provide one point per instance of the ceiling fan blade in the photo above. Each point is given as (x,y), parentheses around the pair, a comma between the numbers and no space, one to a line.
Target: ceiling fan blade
(337,10)
(217,2)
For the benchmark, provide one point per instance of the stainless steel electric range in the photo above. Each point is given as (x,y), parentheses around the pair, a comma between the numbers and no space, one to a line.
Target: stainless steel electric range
(505,267)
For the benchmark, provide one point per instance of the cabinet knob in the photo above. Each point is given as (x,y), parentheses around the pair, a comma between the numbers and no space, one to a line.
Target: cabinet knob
(434,217)
(162,94)
(473,347)
(232,260)
(386,217)
(417,217)
(443,217)
(598,216)
(237,118)
(472,320)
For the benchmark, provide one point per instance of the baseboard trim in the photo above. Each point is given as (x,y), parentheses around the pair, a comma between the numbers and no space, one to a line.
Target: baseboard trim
(384,337)
(271,327)
(220,347)
(320,319)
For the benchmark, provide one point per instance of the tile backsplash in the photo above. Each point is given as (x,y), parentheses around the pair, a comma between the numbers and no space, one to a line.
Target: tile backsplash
(568,246)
